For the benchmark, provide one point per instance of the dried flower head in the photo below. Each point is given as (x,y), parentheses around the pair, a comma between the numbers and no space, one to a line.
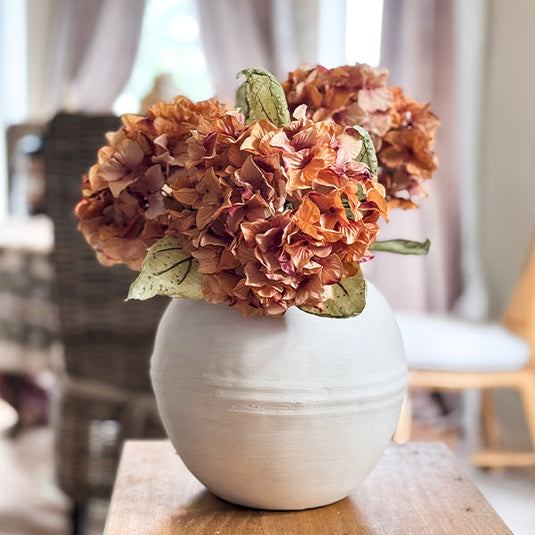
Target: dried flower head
(402,129)
(123,210)
(272,214)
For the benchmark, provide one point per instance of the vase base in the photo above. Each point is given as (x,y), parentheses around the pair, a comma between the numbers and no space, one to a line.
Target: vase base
(281,508)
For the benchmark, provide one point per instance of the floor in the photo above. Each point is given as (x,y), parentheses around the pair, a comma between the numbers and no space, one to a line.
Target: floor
(30,503)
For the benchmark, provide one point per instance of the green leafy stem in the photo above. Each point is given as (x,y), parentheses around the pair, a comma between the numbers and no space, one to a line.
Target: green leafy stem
(402,246)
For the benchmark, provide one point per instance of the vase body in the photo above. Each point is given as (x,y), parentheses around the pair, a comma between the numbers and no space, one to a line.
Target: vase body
(281,413)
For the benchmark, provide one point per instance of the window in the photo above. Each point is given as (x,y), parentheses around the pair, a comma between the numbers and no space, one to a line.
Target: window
(363,31)
(170,43)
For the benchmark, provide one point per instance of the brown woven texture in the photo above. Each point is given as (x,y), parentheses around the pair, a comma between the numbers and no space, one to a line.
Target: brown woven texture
(106,340)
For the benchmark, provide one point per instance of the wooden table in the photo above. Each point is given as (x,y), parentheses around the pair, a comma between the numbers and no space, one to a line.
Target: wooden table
(417,488)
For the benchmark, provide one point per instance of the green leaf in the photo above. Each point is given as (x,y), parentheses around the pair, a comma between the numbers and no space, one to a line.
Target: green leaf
(241,100)
(367,152)
(167,270)
(262,97)
(402,246)
(349,299)
(349,213)
(360,192)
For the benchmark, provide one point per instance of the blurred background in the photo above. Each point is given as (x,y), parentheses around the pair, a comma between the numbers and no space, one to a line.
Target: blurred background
(68,68)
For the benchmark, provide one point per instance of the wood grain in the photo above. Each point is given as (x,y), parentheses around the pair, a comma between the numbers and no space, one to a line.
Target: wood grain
(417,488)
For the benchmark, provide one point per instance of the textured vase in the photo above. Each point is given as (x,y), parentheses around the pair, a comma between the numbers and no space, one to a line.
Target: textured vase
(279,413)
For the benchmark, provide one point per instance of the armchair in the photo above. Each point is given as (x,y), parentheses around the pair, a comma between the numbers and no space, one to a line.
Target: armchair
(105,388)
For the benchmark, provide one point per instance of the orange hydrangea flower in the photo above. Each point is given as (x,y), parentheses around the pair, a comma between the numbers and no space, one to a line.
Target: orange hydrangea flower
(272,214)
(402,129)
(123,211)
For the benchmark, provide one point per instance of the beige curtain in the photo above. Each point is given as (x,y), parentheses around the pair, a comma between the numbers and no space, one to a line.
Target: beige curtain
(81,53)
(418,50)
(506,188)
(277,35)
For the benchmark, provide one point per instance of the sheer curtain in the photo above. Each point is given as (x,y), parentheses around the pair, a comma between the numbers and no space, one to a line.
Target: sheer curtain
(418,49)
(81,53)
(277,35)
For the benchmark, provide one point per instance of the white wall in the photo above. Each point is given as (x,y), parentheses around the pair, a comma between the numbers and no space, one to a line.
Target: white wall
(506,170)
(506,183)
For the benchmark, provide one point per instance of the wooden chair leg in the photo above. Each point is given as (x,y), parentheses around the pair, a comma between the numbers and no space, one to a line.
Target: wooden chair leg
(78,518)
(527,392)
(496,458)
(489,424)
(403,431)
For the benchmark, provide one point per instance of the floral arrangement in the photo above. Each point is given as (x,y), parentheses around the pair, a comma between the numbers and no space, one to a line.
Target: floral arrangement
(264,206)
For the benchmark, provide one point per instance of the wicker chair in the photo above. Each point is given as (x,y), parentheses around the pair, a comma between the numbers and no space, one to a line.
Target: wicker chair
(105,387)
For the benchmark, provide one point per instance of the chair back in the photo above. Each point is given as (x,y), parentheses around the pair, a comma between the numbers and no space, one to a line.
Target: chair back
(105,338)
(519,315)
(105,393)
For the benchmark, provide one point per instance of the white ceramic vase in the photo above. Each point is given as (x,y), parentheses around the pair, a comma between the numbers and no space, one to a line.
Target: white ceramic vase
(279,413)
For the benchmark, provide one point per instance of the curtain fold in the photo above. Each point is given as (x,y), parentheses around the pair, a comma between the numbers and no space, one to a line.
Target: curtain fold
(418,50)
(276,35)
(87,57)
(235,36)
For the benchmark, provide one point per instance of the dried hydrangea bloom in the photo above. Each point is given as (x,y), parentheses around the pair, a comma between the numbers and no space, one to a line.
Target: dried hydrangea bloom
(114,227)
(359,95)
(123,211)
(275,216)
(347,95)
(407,158)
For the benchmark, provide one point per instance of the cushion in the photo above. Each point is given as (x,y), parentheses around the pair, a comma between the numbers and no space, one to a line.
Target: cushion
(8,416)
(440,342)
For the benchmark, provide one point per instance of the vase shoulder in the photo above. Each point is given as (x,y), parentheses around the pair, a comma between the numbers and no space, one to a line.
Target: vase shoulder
(215,339)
